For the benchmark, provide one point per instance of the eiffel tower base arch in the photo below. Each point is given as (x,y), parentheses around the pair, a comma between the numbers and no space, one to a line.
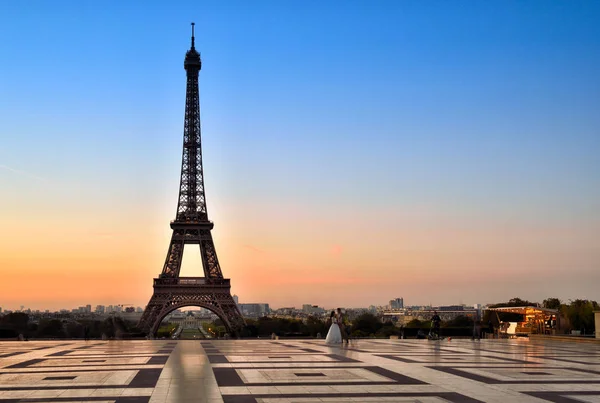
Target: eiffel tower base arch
(174,293)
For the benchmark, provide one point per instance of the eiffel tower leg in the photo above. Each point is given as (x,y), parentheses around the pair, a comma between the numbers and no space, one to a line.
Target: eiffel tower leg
(234,316)
(175,255)
(150,314)
(210,261)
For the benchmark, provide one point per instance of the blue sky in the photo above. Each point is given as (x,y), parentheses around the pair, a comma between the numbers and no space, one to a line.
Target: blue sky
(474,110)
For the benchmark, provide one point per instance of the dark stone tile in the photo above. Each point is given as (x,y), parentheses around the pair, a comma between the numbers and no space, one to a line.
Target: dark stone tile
(59,378)
(133,399)
(239,399)
(340,358)
(402,379)
(230,377)
(309,374)
(535,373)
(12,354)
(570,361)
(217,359)
(310,350)
(60,353)
(26,364)
(146,378)
(227,377)
(587,371)
(558,397)
(490,381)
(158,360)
(417,359)
(449,396)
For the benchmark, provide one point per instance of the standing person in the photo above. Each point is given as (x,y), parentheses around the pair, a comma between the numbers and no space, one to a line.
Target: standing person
(476,330)
(436,320)
(491,328)
(343,327)
(334,336)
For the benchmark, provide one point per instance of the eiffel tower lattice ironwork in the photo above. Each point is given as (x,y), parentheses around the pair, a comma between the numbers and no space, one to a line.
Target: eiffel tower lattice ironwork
(191,226)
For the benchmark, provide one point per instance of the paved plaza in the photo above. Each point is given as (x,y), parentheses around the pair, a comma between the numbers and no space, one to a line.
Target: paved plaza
(307,371)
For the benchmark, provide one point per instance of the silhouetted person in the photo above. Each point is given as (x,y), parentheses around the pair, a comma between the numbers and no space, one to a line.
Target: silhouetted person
(435,321)
(343,328)
(491,328)
(476,330)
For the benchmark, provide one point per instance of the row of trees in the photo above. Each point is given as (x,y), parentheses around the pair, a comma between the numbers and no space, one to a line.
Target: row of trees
(16,323)
(365,325)
(578,313)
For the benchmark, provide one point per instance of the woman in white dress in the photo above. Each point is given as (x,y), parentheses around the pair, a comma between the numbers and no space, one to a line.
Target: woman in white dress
(334,336)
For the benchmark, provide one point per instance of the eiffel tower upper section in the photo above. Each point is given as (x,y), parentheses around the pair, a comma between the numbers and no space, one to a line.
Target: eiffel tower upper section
(191,206)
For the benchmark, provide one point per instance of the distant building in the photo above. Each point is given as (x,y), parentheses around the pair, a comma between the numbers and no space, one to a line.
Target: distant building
(254,310)
(100,309)
(88,308)
(451,308)
(310,309)
(236,299)
(286,311)
(397,303)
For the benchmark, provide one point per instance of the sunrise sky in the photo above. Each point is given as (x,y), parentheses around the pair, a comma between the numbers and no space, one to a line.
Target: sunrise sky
(354,152)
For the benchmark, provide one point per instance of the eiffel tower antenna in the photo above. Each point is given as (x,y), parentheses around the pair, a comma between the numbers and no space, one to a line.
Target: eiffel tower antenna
(193,23)
(191,226)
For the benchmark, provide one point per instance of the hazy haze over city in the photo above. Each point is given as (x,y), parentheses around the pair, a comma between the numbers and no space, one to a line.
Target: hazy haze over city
(354,152)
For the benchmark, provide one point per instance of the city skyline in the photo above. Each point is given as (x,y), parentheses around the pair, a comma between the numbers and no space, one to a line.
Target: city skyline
(351,150)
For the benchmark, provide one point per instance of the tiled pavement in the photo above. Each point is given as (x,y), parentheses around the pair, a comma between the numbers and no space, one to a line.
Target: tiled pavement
(294,371)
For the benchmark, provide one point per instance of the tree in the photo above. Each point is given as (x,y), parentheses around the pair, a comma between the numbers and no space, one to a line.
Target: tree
(250,330)
(459,321)
(52,328)
(552,303)
(74,329)
(388,330)
(367,323)
(16,320)
(315,326)
(415,323)
(581,314)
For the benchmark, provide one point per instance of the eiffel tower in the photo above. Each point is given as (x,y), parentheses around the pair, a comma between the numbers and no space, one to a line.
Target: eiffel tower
(191,226)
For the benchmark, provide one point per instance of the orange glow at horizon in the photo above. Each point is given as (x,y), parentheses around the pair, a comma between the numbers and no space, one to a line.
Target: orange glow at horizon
(286,264)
